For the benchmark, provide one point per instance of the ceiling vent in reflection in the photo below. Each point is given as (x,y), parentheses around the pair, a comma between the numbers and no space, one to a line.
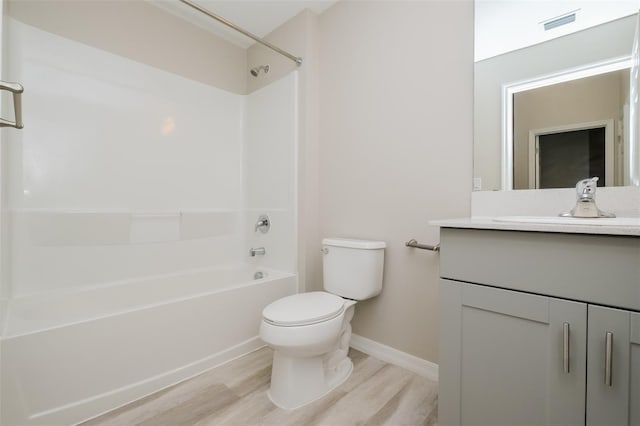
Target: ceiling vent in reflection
(559,21)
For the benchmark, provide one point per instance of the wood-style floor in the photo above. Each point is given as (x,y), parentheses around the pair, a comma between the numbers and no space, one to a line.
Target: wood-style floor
(377,393)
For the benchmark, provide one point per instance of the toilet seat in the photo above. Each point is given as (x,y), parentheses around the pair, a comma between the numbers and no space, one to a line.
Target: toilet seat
(303,309)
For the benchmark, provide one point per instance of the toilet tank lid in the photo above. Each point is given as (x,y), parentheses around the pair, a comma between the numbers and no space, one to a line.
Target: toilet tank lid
(354,243)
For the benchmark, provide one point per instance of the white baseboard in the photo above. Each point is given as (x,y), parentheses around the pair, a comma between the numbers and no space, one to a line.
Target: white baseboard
(393,356)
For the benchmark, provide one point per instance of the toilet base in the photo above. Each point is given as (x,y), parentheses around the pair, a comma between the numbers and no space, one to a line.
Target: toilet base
(306,371)
(296,382)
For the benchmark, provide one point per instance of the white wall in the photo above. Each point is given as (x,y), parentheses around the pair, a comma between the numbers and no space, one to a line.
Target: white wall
(395,148)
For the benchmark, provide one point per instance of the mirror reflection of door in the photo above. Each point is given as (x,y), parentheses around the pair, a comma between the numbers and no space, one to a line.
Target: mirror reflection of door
(578,105)
(565,157)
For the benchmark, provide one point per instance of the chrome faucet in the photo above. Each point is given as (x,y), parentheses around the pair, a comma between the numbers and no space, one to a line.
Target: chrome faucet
(586,200)
(259,251)
(263,224)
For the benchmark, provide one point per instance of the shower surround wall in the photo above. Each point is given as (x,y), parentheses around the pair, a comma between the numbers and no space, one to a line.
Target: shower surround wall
(270,172)
(126,176)
(117,155)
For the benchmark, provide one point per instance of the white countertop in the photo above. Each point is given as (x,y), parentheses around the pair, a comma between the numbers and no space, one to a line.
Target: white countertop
(631,226)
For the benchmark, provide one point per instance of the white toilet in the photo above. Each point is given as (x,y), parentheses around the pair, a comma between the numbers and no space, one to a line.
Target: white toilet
(310,332)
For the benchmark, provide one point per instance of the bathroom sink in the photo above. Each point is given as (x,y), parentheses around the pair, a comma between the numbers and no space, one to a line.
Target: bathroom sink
(558,220)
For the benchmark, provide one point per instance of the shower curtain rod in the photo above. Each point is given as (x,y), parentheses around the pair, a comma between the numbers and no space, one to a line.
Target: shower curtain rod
(296,59)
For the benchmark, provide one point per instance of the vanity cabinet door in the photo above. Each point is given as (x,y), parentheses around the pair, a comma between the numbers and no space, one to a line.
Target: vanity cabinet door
(502,357)
(613,369)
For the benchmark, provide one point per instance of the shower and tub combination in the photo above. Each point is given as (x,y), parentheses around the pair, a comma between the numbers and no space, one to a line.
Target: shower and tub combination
(131,201)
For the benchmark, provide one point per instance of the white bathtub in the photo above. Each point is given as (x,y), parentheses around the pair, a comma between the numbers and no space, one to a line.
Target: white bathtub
(67,357)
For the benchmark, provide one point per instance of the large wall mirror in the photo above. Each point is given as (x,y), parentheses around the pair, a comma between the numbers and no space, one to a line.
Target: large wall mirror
(554,97)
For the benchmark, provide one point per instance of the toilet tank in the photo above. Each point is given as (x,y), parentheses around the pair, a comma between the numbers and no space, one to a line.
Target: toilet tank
(352,268)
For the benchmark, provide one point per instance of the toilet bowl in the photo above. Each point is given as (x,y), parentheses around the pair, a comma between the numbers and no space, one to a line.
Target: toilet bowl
(310,353)
(310,332)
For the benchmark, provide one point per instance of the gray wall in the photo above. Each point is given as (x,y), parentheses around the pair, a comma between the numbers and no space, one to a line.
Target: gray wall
(385,145)
(396,113)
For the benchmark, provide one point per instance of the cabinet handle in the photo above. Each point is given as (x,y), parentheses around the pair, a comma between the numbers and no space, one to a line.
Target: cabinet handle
(608,358)
(565,347)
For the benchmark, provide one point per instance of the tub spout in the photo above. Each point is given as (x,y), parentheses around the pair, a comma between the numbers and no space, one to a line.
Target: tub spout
(260,251)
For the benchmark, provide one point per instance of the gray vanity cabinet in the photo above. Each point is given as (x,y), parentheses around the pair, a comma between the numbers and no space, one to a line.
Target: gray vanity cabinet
(613,367)
(523,329)
(510,348)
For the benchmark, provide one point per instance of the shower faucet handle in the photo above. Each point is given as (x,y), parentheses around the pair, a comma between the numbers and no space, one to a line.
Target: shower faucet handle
(263,224)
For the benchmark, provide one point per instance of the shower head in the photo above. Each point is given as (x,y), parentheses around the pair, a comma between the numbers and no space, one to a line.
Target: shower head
(255,71)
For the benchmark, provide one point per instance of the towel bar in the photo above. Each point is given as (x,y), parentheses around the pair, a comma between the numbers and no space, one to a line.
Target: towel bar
(17,90)
(415,244)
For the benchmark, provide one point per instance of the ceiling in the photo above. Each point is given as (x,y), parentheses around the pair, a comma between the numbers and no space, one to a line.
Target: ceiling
(500,25)
(505,25)
(259,17)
